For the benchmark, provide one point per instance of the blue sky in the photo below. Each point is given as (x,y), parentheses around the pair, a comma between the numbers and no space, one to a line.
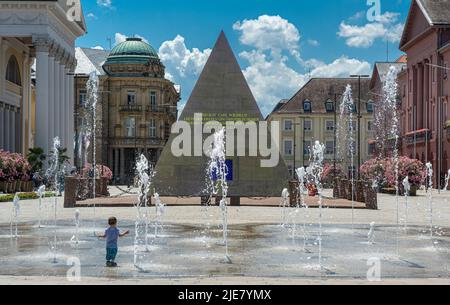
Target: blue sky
(279,43)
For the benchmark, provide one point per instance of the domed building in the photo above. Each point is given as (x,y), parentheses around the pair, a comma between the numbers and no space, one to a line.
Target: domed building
(136,109)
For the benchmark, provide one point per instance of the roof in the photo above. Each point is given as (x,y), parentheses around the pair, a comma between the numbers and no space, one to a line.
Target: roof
(278,106)
(381,69)
(89,60)
(318,91)
(436,11)
(132,50)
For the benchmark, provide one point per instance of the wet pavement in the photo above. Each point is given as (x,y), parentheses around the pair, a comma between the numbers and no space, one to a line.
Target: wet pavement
(256,250)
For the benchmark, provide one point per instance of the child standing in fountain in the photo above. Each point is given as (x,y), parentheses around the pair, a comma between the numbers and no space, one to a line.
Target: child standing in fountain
(111,235)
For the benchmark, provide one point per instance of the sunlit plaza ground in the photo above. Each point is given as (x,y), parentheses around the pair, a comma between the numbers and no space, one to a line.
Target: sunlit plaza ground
(188,248)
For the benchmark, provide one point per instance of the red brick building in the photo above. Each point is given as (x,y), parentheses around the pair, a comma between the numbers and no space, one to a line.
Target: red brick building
(425,86)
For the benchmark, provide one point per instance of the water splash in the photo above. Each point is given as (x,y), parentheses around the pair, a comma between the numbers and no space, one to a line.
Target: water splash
(447,180)
(160,211)
(142,223)
(301,176)
(315,169)
(15,212)
(41,194)
(92,99)
(429,168)
(75,238)
(217,171)
(347,108)
(284,204)
(371,234)
(407,188)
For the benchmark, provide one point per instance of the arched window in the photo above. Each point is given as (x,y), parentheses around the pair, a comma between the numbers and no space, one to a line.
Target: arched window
(13,71)
(307,106)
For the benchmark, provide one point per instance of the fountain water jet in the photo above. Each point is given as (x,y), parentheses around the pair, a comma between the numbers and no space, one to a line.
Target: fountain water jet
(284,204)
(429,167)
(347,108)
(75,238)
(407,189)
(92,98)
(15,212)
(371,234)
(217,171)
(301,174)
(160,210)
(447,180)
(41,194)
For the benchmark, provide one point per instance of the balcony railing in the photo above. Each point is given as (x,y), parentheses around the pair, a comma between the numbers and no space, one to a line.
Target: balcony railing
(136,141)
(130,108)
(418,136)
(157,109)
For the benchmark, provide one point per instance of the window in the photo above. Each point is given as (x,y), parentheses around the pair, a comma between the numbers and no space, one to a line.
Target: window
(370,106)
(288,148)
(354,110)
(153,101)
(307,125)
(288,125)
(131,98)
(369,126)
(152,128)
(291,171)
(13,71)
(329,125)
(307,106)
(306,148)
(130,125)
(329,106)
(82,97)
(329,147)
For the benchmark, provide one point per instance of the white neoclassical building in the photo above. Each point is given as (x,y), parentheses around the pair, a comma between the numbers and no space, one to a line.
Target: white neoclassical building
(37,61)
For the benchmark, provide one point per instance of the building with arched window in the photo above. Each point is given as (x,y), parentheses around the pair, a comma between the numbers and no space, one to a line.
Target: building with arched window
(37,56)
(136,109)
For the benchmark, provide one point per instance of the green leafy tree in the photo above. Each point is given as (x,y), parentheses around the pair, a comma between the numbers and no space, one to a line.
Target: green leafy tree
(36,158)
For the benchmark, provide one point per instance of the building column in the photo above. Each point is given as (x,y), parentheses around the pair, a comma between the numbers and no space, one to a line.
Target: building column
(62,104)
(420,112)
(116,163)
(51,98)
(71,114)
(7,129)
(122,164)
(2,125)
(42,93)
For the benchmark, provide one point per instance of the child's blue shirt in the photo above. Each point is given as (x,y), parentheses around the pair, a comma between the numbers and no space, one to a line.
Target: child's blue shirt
(112,235)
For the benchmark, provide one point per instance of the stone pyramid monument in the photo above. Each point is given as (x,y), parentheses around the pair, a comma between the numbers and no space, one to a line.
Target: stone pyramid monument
(222,94)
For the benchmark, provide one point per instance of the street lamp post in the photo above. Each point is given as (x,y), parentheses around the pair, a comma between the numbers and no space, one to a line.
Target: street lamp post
(359,120)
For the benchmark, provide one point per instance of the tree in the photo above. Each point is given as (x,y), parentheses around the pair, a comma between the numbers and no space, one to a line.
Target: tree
(36,158)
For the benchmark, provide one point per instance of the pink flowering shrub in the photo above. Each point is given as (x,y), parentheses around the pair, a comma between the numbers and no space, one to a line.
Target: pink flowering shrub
(102,171)
(329,174)
(13,166)
(383,171)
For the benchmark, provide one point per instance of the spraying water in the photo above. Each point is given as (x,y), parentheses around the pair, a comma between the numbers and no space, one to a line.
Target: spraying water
(429,167)
(218,171)
(75,238)
(284,204)
(142,206)
(160,210)
(55,172)
(315,170)
(92,99)
(407,188)
(301,174)
(15,212)
(447,179)
(371,234)
(347,109)
(41,194)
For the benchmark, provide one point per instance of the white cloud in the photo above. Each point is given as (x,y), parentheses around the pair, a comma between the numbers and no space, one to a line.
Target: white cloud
(98,48)
(313,42)
(364,36)
(342,67)
(105,3)
(181,61)
(269,33)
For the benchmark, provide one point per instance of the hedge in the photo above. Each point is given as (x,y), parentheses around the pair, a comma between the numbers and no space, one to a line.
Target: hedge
(24,196)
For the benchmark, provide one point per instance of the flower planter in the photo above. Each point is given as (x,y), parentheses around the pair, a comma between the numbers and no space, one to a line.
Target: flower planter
(3,186)
(18,186)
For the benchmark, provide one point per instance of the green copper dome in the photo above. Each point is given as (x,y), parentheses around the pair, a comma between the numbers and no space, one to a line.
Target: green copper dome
(132,51)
